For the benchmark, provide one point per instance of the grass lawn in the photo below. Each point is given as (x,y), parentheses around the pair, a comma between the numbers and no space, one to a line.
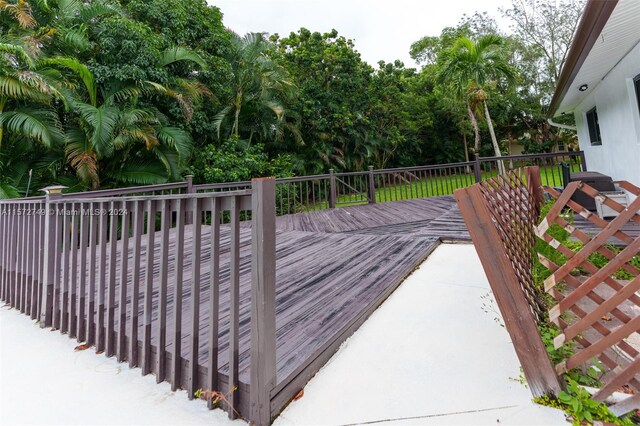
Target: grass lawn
(442,185)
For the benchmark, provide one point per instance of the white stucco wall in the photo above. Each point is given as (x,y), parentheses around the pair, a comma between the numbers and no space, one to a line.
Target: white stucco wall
(615,100)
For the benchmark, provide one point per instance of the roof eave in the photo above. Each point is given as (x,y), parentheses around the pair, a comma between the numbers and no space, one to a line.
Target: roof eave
(594,18)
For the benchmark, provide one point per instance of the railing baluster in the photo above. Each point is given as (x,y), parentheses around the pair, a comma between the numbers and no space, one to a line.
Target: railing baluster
(102,272)
(176,359)
(124,273)
(162,294)
(196,247)
(234,314)
(3,245)
(138,227)
(82,282)
(58,253)
(111,287)
(214,298)
(148,287)
(66,255)
(95,226)
(74,271)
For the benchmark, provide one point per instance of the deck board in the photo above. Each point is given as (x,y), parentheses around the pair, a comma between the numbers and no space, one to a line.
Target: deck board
(330,266)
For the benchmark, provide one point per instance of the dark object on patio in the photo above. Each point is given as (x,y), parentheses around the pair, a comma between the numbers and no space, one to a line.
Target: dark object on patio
(595,180)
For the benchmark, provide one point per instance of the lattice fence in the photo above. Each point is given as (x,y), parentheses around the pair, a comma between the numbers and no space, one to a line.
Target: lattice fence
(598,312)
(500,215)
(514,208)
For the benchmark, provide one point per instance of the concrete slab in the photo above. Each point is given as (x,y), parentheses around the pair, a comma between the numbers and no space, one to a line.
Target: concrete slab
(435,353)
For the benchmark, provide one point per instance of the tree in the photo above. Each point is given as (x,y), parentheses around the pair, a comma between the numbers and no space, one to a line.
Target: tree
(261,88)
(333,100)
(468,66)
(547,26)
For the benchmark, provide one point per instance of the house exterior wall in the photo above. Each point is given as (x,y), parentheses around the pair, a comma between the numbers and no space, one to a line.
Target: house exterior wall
(619,118)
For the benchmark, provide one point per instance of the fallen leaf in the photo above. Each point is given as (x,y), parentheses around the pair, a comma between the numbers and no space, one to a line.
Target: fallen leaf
(606,317)
(99,352)
(82,347)
(299,395)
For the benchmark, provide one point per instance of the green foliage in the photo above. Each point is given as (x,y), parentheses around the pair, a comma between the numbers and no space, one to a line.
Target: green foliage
(578,403)
(236,161)
(114,92)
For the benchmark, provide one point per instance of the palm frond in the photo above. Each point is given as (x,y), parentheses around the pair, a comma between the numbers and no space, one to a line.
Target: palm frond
(21,11)
(80,70)
(39,125)
(179,53)
(177,139)
(103,121)
(139,172)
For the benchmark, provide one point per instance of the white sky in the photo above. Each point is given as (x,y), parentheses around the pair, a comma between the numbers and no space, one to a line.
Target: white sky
(381,29)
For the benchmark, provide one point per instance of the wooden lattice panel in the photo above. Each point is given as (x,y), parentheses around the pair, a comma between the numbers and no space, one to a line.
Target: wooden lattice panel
(515,205)
(598,312)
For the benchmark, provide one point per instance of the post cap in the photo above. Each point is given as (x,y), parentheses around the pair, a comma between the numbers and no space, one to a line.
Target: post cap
(188,176)
(54,189)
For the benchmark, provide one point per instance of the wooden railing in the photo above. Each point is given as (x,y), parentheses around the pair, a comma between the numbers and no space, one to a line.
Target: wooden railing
(152,280)
(309,193)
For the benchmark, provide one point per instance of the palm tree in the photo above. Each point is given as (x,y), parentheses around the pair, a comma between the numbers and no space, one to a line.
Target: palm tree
(110,125)
(110,131)
(259,87)
(468,67)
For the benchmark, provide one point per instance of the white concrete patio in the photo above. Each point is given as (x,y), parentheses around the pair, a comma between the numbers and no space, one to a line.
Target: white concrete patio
(434,353)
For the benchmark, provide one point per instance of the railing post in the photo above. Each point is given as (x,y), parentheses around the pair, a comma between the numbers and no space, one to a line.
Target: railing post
(190,190)
(263,299)
(371,195)
(476,168)
(189,180)
(50,253)
(583,161)
(332,189)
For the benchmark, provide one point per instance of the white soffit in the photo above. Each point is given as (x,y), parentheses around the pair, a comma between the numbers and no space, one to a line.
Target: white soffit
(619,36)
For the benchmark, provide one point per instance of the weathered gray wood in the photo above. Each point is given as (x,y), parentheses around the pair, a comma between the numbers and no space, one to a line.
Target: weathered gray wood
(73,282)
(124,269)
(66,279)
(138,228)
(94,232)
(102,272)
(162,295)
(113,275)
(263,300)
(57,254)
(148,287)
(214,299)
(176,367)
(234,313)
(82,281)
(196,247)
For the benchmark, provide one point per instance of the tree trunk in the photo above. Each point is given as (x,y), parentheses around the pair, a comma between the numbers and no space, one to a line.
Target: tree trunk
(476,131)
(494,141)
(236,121)
(466,151)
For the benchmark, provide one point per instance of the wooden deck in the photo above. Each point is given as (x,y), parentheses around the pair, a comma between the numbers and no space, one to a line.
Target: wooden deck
(334,268)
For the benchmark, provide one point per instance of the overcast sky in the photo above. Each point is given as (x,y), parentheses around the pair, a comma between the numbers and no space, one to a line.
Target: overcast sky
(381,29)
